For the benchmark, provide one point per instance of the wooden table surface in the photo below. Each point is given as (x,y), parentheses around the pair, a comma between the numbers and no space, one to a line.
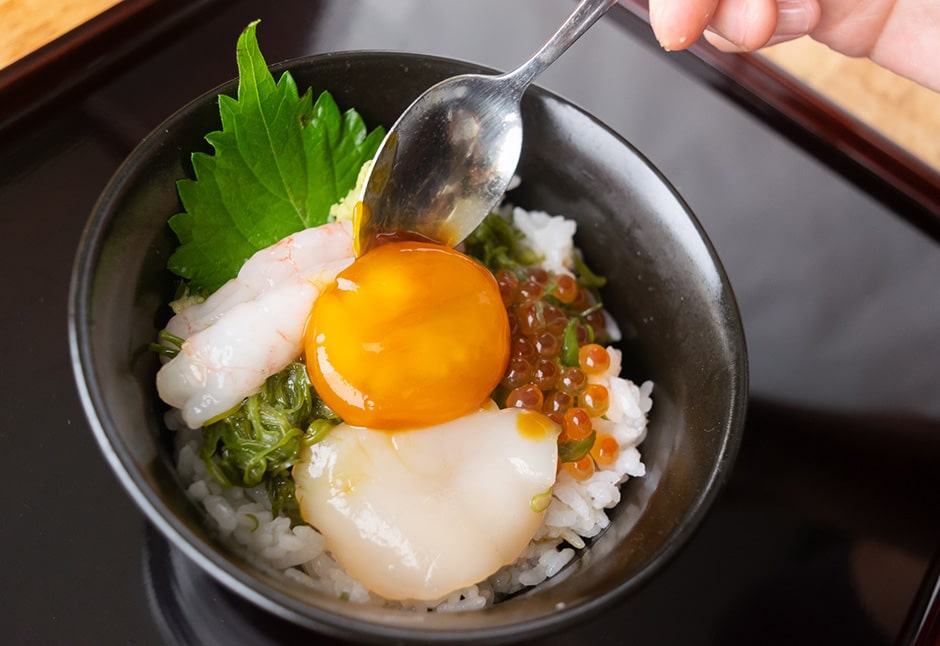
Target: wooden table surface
(27,25)
(900,109)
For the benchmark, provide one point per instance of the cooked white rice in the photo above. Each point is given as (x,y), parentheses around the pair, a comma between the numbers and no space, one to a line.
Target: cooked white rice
(577,512)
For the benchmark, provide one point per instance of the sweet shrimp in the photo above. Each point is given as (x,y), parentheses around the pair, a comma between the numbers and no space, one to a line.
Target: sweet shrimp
(252,327)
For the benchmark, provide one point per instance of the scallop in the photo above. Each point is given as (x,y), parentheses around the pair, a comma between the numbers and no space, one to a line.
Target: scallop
(420,513)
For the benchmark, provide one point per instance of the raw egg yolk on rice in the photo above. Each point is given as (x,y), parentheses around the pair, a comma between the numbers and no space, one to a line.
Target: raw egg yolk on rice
(410,334)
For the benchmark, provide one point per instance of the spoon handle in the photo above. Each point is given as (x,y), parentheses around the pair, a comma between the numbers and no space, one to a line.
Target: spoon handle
(584,15)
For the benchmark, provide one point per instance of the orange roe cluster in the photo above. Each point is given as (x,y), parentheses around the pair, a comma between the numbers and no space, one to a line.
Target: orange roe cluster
(556,326)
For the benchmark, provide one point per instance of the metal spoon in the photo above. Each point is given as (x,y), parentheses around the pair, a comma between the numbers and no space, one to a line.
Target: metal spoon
(449,158)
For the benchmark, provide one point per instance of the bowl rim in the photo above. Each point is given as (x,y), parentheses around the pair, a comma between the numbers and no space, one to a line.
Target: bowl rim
(238,579)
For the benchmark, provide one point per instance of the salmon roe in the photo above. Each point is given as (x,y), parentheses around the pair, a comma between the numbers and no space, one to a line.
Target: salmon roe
(580,469)
(605,450)
(556,328)
(527,396)
(566,288)
(594,400)
(593,359)
(577,423)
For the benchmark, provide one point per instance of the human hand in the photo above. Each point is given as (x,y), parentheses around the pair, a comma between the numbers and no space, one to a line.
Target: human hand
(901,35)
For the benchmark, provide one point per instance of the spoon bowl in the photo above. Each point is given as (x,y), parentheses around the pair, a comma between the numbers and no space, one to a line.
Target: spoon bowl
(451,155)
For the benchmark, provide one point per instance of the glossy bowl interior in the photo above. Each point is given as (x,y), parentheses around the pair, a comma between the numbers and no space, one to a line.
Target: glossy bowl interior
(666,288)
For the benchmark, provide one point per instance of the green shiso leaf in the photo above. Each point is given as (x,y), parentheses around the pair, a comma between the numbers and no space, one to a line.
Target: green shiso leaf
(280,162)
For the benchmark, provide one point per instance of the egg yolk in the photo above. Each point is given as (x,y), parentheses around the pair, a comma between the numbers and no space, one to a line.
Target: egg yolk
(410,334)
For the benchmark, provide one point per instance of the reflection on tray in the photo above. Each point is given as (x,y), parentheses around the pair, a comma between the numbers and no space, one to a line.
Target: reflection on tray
(190,608)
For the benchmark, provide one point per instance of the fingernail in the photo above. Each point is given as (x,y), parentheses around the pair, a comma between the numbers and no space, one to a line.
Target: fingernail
(794,19)
(720,42)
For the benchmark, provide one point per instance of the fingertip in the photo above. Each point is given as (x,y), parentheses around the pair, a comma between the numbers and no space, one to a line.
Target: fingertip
(677,25)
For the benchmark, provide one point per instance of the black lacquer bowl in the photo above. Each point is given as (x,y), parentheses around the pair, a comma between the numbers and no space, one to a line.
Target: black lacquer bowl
(666,288)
